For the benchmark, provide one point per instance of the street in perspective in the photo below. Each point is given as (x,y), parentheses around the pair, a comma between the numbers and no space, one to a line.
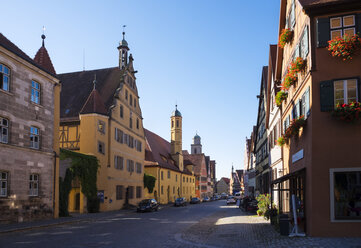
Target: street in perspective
(180,123)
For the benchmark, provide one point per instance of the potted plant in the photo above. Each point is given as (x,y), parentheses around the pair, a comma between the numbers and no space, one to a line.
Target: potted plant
(344,47)
(285,37)
(281,141)
(280,97)
(292,130)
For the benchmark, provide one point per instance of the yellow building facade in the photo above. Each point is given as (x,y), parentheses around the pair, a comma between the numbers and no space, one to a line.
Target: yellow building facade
(164,161)
(104,119)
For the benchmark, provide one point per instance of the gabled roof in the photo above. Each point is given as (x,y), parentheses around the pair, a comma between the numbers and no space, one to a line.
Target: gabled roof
(225,179)
(158,153)
(42,58)
(94,104)
(8,45)
(197,160)
(319,3)
(77,87)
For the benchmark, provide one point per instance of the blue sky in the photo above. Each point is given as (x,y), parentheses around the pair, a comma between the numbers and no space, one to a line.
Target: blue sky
(205,55)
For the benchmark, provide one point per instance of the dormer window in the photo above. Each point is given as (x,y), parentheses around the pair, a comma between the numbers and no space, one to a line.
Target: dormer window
(4,77)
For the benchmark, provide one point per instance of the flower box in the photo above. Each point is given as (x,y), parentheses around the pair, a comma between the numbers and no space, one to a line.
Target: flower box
(285,37)
(344,47)
(347,112)
(292,130)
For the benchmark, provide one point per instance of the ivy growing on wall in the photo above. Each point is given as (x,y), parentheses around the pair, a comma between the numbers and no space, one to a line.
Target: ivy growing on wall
(85,168)
(149,182)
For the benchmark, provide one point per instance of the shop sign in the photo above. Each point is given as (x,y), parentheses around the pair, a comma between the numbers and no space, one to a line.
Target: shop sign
(297,156)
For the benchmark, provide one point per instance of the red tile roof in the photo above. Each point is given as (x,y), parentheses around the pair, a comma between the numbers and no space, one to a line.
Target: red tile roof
(157,152)
(94,104)
(42,58)
(8,45)
(226,180)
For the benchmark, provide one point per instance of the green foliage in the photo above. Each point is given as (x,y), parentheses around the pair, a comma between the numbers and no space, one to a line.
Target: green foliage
(264,202)
(85,168)
(64,190)
(270,213)
(280,97)
(149,182)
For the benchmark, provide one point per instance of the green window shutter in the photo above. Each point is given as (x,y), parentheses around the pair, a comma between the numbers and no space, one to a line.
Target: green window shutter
(358,23)
(307,102)
(323,32)
(326,96)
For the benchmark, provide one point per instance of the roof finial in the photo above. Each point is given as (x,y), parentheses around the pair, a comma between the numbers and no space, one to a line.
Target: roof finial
(124,31)
(43,35)
(95,81)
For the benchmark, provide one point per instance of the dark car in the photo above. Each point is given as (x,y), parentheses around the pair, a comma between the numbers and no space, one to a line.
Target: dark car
(195,200)
(148,205)
(180,202)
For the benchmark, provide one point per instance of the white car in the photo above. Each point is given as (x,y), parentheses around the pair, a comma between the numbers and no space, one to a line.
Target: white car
(231,200)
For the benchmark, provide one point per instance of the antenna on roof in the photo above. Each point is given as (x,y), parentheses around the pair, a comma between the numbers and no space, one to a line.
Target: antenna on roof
(83,59)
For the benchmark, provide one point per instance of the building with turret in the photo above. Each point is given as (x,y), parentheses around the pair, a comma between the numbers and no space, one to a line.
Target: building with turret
(164,160)
(29,126)
(101,116)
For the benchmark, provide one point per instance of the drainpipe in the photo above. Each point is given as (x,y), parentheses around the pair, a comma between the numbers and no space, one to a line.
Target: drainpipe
(54,184)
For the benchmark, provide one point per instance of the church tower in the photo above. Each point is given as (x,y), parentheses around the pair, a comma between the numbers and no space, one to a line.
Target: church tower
(196,147)
(123,53)
(176,137)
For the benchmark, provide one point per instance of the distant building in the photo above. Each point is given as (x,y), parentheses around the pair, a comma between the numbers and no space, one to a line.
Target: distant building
(235,182)
(222,186)
(29,127)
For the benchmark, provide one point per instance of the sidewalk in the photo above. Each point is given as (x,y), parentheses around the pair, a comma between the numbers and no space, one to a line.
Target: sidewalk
(74,218)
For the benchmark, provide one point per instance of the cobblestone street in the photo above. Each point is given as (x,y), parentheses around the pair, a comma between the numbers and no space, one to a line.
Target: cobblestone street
(231,227)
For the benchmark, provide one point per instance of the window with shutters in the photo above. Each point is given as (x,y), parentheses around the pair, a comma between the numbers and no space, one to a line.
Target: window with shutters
(161,175)
(3,184)
(34,185)
(118,135)
(125,138)
(4,77)
(119,192)
(121,111)
(118,162)
(135,103)
(139,168)
(342,25)
(126,94)
(168,174)
(291,17)
(131,192)
(130,165)
(130,122)
(131,99)
(139,191)
(345,91)
(137,123)
(161,190)
(4,130)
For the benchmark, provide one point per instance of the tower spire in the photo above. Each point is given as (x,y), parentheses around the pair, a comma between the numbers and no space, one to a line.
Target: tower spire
(43,36)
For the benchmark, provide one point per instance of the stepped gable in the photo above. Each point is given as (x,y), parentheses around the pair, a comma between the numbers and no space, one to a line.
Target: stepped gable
(8,45)
(77,87)
(157,152)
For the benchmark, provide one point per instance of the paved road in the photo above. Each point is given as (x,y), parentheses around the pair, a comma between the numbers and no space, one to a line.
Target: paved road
(205,225)
(155,229)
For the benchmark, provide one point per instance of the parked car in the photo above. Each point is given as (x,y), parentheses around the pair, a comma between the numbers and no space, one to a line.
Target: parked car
(231,200)
(206,199)
(223,196)
(180,202)
(148,205)
(213,198)
(195,200)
